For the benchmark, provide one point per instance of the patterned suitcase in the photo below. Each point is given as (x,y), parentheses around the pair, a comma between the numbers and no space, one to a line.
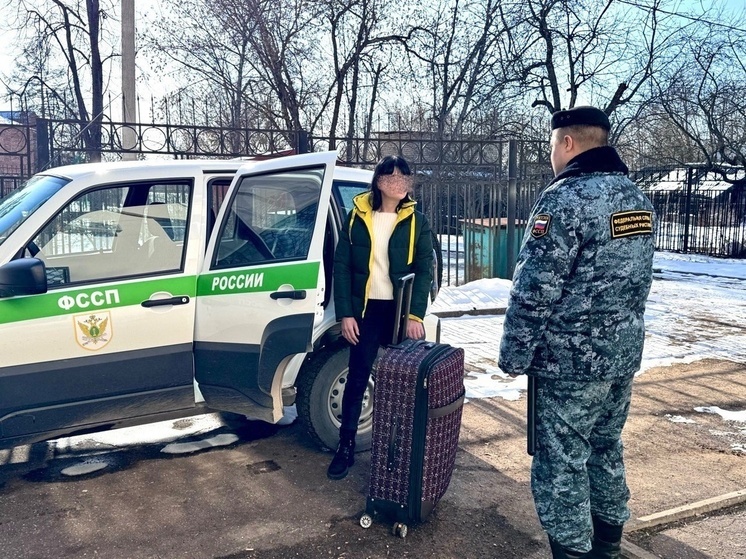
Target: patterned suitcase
(419,394)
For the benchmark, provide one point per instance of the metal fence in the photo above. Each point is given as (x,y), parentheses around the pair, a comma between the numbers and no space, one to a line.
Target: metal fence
(8,183)
(699,210)
(470,220)
(34,144)
(476,192)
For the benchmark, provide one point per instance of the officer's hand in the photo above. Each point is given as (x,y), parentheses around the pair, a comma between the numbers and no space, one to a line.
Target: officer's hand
(350,330)
(415,330)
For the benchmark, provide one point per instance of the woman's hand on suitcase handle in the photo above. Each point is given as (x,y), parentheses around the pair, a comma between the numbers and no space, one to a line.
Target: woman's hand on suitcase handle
(415,330)
(350,330)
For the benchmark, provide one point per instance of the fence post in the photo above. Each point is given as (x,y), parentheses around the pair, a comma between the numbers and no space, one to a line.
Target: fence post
(687,206)
(301,141)
(42,144)
(512,197)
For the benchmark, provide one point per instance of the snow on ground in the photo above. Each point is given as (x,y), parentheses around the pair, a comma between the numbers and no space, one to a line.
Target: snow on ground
(163,432)
(725,414)
(210,442)
(696,310)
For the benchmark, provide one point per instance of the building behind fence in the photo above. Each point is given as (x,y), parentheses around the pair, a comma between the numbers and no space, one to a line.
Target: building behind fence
(476,192)
(698,210)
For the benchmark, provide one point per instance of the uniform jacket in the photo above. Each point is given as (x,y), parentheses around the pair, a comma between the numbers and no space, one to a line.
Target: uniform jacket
(583,276)
(410,250)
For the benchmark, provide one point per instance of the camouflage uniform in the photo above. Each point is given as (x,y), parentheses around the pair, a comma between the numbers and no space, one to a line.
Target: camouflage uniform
(575,321)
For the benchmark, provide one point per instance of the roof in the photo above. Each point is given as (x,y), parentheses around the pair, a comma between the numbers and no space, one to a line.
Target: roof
(173,167)
(703,180)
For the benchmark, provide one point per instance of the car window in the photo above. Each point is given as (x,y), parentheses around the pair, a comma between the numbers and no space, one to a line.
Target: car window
(115,232)
(19,205)
(345,191)
(217,188)
(270,218)
(167,207)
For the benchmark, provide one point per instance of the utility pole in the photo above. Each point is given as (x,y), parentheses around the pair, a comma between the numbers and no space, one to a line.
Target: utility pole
(129,133)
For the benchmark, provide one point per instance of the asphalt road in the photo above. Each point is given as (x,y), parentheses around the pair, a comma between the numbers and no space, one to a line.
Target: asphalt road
(266,495)
(257,498)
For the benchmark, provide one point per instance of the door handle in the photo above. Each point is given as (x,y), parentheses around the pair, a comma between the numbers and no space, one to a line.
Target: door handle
(179,300)
(296,295)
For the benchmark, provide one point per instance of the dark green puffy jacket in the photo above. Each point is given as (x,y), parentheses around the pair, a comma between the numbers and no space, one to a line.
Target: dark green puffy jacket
(410,250)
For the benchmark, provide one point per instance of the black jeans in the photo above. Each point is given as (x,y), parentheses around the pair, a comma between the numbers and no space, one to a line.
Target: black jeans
(376,329)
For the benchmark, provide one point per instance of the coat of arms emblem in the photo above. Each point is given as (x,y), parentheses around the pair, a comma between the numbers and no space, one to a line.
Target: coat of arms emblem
(93,331)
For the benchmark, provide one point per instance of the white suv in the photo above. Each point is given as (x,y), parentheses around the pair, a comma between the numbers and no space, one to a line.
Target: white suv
(130,293)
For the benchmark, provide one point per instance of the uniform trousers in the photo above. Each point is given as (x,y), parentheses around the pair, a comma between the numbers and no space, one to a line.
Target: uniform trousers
(376,330)
(578,467)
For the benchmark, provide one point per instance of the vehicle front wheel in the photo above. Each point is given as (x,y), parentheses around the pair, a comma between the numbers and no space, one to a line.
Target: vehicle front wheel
(320,386)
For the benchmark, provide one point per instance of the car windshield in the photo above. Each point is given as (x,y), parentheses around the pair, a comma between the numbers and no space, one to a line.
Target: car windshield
(17,207)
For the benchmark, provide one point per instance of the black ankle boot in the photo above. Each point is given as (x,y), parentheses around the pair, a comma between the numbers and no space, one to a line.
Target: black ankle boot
(559,552)
(344,457)
(607,540)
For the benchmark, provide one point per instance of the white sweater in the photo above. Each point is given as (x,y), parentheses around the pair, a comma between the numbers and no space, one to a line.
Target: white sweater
(380,283)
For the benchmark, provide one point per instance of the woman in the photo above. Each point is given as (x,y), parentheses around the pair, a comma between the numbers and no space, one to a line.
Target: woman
(382,239)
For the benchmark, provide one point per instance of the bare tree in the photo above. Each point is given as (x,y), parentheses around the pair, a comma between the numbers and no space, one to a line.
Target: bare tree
(73,31)
(40,87)
(705,95)
(283,46)
(243,62)
(603,51)
(460,52)
(358,31)
(210,44)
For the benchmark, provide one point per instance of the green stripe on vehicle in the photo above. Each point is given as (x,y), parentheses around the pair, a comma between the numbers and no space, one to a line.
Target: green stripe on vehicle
(113,295)
(107,296)
(252,280)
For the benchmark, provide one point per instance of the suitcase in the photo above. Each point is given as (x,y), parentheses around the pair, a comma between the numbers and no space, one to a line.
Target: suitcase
(418,399)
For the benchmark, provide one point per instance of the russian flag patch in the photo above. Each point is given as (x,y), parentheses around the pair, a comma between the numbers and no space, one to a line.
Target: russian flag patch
(540,226)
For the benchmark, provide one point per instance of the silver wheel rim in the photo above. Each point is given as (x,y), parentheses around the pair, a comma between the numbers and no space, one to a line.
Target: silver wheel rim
(334,407)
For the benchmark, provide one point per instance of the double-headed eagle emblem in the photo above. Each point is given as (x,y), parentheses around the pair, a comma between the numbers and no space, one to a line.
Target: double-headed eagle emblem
(94,331)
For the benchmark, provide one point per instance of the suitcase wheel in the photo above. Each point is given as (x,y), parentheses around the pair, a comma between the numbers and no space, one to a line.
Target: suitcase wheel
(399,529)
(366,521)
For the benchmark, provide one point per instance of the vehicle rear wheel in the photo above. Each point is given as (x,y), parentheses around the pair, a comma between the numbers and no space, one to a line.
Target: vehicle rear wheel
(320,386)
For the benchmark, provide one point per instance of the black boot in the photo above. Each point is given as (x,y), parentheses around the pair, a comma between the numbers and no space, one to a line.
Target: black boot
(607,540)
(344,457)
(559,552)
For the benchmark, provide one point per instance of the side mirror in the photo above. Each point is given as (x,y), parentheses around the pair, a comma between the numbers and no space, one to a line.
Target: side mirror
(25,276)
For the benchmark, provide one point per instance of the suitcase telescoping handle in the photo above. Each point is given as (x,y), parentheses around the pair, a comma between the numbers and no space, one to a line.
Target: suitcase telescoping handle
(403,290)
(531,417)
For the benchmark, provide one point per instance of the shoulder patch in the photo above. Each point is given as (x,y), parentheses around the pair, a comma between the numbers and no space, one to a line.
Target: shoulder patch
(631,223)
(540,226)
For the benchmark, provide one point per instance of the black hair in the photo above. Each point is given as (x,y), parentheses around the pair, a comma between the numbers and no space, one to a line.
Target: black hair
(386,166)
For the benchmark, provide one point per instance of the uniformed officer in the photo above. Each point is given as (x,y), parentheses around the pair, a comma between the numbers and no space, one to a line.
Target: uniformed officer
(575,322)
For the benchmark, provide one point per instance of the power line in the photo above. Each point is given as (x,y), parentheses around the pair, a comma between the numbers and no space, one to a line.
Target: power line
(684,16)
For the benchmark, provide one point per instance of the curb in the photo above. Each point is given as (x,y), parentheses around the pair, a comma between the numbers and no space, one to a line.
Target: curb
(685,512)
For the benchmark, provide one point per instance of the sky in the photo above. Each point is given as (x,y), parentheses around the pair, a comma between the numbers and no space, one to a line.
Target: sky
(694,302)
(152,85)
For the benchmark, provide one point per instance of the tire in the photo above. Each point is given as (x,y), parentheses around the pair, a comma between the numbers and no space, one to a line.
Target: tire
(319,399)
